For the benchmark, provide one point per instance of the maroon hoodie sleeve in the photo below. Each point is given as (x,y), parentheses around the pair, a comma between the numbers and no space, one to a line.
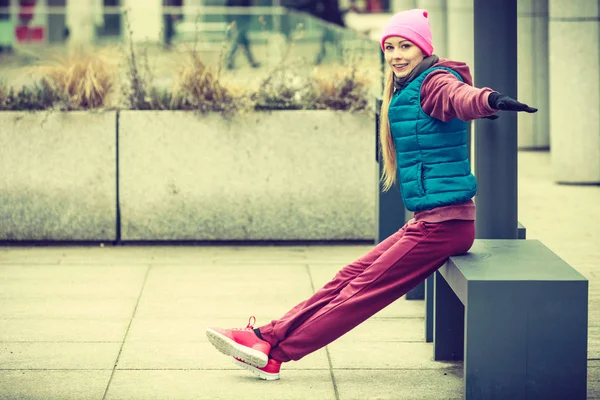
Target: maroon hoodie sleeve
(444,97)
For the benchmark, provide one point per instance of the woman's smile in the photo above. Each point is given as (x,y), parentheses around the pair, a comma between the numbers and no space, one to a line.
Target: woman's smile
(402,55)
(399,67)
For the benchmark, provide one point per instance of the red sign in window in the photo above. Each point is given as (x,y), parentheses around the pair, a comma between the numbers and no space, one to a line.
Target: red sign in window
(30,34)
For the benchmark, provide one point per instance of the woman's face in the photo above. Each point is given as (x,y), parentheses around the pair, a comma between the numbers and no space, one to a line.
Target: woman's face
(402,55)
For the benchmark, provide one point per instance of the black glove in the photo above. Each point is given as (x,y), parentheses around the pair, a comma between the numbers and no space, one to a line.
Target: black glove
(504,102)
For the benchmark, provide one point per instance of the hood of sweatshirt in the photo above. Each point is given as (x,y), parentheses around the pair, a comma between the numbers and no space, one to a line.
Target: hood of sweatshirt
(433,61)
(458,66)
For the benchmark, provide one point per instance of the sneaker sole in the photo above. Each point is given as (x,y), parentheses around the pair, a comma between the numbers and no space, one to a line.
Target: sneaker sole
(230,348)
(261,374)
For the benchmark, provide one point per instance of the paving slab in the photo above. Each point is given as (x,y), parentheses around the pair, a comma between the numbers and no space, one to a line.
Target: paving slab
(76,273)
(63,330)
(30,255)
(228,304)
(28,308)
(594,342)
(34,288)
(53,385)
(56,355)
(194,355)
(251,255)
(384,355)
(564,217)
(219,385)
(211,280)
(400,384)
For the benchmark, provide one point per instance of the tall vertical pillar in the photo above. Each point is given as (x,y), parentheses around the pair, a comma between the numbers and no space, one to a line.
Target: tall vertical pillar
(496,141)
(437,20)
(575,91)
(459,31)
(534,129)
(145,20)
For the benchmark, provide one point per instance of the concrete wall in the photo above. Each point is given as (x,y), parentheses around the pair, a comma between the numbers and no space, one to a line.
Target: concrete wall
(58,176)
(299,175)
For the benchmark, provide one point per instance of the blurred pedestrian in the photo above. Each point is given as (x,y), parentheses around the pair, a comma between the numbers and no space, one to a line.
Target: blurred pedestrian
(240,34)
(427,102)
(171,15)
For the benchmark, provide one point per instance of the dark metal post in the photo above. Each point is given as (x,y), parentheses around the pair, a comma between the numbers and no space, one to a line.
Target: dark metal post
(496,141)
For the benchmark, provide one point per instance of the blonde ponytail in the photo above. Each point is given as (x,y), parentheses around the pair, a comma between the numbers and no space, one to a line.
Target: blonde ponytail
(386,144)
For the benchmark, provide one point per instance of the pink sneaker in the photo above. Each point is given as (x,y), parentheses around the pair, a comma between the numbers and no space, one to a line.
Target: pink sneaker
(242,344)
(269,372)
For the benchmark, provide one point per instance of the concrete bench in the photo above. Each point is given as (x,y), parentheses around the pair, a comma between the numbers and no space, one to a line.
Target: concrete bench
(517,314)
(425,292)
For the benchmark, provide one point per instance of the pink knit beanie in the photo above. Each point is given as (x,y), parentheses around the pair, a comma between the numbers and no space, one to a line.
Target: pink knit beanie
(412,25)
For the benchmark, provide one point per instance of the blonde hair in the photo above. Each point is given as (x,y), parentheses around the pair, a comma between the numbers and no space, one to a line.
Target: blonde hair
(386,143)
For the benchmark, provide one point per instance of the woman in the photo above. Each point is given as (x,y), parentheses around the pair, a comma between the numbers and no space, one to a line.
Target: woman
(426,104)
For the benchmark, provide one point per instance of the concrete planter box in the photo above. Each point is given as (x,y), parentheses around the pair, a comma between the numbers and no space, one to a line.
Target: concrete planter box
(58,176)
(285,175)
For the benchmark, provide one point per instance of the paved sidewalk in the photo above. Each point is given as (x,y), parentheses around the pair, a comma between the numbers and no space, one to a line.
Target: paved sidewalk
(128,322)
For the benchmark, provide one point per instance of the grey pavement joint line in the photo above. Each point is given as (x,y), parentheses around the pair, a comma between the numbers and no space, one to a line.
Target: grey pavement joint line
(335,389)
(112,374)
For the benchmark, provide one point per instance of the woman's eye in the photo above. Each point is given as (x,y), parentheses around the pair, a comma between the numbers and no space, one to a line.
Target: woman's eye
(406,46)
(389,47)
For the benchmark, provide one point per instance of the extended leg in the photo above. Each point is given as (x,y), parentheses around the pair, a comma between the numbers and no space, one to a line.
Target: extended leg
(277,330)
(422,249)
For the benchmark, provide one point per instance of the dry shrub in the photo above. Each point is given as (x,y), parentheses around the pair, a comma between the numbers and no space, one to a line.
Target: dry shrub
(137,88)
(4,91)
(344,88)
(40,96)
(285,90)
(198,88)
(82,80)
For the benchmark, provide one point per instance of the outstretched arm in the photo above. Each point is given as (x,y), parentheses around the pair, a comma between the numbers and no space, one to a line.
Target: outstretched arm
(444,97)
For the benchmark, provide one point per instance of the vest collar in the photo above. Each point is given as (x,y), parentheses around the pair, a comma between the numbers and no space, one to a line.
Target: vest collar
(423,66)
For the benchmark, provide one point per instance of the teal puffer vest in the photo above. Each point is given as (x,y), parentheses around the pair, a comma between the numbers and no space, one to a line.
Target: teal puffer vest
(432,155)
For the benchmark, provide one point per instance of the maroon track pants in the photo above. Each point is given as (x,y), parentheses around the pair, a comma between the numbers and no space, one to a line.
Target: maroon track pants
(361,289)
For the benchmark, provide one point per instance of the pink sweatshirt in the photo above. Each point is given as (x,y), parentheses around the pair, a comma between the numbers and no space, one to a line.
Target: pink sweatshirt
(444,97)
